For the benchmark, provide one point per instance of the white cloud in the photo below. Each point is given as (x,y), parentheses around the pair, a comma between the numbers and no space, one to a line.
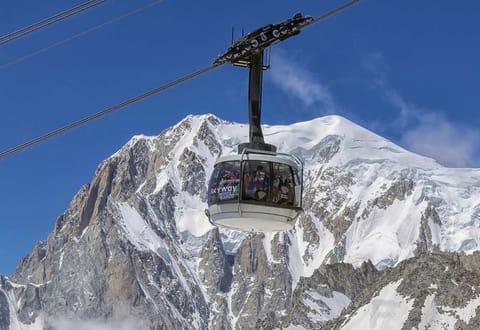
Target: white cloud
(436,137)
(376,64)
(296,81)
(425,131)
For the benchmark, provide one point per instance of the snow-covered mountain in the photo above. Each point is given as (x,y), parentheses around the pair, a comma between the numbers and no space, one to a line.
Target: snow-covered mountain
(134,248)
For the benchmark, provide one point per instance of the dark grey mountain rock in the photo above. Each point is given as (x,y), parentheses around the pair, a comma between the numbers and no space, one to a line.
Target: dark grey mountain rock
(323,151)
(453,279)
(397,191)
(215,272)
(192,173)
(116,275)
(424,242)
(4,312)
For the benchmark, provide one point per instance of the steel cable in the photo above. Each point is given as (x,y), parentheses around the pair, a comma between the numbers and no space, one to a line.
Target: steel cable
(104,112)
(141,96)
(78,35)
(49,21)
(334,11)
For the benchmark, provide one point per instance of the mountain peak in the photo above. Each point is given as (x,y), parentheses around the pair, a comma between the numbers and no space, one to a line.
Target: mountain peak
(137,235)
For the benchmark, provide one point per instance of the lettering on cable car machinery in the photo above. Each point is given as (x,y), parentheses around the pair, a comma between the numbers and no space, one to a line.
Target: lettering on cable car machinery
(262,38)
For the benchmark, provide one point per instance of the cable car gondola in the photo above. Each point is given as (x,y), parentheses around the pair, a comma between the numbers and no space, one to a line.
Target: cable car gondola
(258,189)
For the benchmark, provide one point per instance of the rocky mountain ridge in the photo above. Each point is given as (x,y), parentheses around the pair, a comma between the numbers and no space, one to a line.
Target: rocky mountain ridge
(134,244)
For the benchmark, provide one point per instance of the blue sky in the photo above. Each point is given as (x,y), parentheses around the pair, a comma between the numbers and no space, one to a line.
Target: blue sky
(407,70)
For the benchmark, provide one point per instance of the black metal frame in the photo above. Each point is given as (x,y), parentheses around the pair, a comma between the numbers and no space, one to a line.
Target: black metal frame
(256,140)
(258,40)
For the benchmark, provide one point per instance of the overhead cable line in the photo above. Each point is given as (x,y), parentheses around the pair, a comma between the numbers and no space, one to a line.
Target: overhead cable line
(78,35)
(49,21)
(105,111)
(218,62)
(334,11)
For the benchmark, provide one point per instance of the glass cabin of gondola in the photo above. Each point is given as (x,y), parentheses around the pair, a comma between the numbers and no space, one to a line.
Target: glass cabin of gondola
(256,191)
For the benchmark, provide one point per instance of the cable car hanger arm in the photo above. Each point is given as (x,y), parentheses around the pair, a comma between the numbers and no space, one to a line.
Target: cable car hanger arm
(256,41)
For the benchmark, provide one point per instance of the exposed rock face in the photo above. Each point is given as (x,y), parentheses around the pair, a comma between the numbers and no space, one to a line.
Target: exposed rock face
(135,246)
(339,283)
(443,285)
(146,276)
(215,272)
(4,311)
(323,151)
(260,286)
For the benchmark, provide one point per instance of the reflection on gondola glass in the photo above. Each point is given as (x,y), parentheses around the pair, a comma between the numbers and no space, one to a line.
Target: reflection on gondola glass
(225,182)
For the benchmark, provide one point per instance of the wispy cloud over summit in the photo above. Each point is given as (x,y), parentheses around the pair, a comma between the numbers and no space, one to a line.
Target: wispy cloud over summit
(425,131)
(296,81)
(448,143)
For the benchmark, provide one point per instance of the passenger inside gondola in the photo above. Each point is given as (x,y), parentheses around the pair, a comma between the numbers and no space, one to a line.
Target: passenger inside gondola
(256,181)
(261,183)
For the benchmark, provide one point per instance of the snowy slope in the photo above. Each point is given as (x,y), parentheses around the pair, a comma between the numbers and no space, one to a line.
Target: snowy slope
(12,307)
(388,310)
(386,235)
(385,225)
(441,317)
